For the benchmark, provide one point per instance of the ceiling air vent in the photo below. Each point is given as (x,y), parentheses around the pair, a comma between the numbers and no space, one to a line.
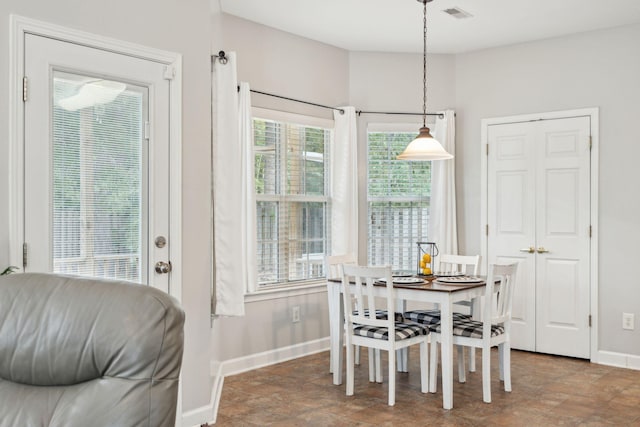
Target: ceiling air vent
(458,13)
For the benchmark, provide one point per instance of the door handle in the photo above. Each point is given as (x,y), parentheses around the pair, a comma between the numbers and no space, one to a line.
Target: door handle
(163,267)
(530,249)
(542,250)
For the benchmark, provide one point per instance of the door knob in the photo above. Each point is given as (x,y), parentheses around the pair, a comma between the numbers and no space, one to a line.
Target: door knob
(163,267)
(530,249)
(542,250)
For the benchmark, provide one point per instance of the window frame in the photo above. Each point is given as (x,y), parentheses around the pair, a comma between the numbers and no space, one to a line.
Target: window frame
(304,286)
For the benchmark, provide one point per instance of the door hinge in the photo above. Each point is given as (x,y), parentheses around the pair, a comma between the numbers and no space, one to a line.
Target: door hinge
(590,142)
(24,256)
(24,88)
(147,129)
(487,149)
(169,72)
(590,231)
(589,320)
(486,229)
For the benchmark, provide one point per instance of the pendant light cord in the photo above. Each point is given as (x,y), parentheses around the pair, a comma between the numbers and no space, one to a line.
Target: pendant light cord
(424,66)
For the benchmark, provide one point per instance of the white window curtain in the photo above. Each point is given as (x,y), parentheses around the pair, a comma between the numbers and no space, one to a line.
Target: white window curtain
(442,215)
(344,184)
(233,194)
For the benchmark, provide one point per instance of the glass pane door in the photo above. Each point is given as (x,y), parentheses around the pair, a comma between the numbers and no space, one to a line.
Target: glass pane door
(99,183)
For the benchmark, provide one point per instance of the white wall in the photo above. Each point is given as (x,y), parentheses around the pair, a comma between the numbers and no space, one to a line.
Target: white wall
(597,69)
(182,27)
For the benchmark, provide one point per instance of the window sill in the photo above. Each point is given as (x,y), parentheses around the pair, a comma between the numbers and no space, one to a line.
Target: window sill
(287,292)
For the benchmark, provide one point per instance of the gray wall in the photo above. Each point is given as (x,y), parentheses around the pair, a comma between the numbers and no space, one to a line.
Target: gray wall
(597,69)
(182,27)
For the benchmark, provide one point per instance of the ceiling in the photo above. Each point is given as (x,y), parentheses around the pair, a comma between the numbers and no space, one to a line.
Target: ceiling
(396,25)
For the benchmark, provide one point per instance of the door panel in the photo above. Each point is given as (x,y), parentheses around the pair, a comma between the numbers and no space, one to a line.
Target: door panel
(563,218)
(511,211)
(538,209)
(96,162)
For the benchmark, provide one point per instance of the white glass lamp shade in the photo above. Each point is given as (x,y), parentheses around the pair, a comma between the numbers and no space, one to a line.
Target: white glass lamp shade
(424,147)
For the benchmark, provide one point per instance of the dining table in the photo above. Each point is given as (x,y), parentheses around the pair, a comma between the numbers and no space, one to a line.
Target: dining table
(429,290)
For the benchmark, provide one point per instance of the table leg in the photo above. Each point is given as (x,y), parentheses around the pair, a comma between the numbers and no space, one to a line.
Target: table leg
(446,348)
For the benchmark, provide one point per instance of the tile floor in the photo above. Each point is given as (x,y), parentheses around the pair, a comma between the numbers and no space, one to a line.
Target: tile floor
(547,391)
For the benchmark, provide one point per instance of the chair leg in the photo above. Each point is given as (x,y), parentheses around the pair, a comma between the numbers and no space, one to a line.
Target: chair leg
(472,359)
(486,374)
(378,360)
(501,361)
(350,370)
(372,365)
(506,348)
(392,377)
(357,355)
(462,377)
(433,367)
(424,366)
(403,360)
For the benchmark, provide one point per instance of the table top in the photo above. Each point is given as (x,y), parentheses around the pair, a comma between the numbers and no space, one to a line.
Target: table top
(430,283)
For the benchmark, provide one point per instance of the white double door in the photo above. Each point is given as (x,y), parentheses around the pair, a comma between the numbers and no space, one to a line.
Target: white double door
(96,163)
(538,210)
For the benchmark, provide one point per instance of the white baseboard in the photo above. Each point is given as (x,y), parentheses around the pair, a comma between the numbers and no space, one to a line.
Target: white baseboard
(620,360)
(279,355)
(219,370)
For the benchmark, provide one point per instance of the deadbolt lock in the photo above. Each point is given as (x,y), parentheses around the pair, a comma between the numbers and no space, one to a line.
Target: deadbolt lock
(160,242)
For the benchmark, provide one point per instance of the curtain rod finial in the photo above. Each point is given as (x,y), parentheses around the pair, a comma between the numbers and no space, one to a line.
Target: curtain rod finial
(222,57)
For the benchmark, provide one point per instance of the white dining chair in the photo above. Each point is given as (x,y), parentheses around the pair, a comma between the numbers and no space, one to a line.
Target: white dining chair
(333,270)
(363,328)
(454,264)
(493,330)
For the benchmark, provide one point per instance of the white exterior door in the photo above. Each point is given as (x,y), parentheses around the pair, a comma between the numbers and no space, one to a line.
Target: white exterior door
(538,209)
(96,162)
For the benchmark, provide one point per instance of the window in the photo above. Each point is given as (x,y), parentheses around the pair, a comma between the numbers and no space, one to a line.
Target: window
(291,179)
(397,199)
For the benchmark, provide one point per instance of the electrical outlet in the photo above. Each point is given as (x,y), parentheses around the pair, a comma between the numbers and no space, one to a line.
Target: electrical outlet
(295,314)
(628,321)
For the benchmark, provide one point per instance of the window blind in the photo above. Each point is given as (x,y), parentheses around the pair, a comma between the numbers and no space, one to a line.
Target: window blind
(97,182)
(398,201)
(291,170)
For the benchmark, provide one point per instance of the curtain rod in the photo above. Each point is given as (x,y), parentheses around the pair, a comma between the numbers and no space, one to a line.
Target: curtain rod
(222,57)
(296,100)
(440,115)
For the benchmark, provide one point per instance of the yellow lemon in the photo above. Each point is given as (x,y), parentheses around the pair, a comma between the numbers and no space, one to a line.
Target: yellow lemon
(426,258)
(426,271)
(422,264)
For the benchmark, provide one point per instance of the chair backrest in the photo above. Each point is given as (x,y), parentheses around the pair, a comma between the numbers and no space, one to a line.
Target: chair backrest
(333,264)
(361,294)
(80,351)
(467,264)
(499,297)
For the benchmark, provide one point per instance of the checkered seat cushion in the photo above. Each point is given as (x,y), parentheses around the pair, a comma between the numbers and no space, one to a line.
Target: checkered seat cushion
(382,314)
(469,328)
(403,331)
(431,317)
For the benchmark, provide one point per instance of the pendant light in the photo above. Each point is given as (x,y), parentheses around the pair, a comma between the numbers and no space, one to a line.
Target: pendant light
(424,146)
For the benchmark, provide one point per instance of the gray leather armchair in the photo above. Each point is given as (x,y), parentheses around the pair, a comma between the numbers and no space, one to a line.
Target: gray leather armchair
(87,352)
